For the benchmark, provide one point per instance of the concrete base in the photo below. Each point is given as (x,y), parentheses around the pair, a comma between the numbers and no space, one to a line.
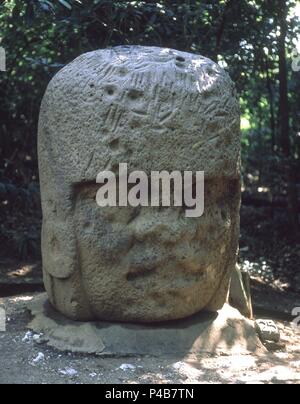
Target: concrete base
(225,332)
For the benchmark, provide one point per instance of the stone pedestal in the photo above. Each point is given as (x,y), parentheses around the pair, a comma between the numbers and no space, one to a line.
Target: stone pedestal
(224,332)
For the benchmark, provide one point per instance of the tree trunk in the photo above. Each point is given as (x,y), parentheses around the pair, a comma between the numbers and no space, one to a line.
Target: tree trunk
(240,292)
(284,119)
(272,109)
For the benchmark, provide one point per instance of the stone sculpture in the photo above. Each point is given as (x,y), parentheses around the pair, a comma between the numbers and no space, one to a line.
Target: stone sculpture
(154,109)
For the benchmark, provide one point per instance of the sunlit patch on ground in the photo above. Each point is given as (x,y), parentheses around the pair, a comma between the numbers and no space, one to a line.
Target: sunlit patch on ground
(24,271)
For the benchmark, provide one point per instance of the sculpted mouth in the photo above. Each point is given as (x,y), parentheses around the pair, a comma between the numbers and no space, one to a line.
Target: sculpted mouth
(160,283)
(140,273)
(183,271)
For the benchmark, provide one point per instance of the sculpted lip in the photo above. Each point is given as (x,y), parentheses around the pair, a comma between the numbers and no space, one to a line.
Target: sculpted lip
(186,267)
(140,272)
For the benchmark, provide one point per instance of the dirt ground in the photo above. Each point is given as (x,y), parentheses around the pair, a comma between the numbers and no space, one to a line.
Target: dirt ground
(25,361)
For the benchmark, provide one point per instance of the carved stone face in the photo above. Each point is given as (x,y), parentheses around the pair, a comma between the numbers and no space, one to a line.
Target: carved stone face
(151,264)
(155,109)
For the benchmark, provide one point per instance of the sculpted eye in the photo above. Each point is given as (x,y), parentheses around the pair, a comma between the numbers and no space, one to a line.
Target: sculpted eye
(86,190)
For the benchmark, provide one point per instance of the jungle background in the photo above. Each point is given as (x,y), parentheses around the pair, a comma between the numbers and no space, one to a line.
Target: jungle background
(256,41)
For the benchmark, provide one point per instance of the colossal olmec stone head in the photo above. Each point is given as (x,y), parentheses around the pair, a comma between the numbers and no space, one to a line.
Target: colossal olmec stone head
(154,109)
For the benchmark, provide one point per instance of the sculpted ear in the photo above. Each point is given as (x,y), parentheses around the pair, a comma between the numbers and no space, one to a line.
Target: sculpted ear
(59,249)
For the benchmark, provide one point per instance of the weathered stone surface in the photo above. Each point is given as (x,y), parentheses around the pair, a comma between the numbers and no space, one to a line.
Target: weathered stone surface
(155,109)
(267,331)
